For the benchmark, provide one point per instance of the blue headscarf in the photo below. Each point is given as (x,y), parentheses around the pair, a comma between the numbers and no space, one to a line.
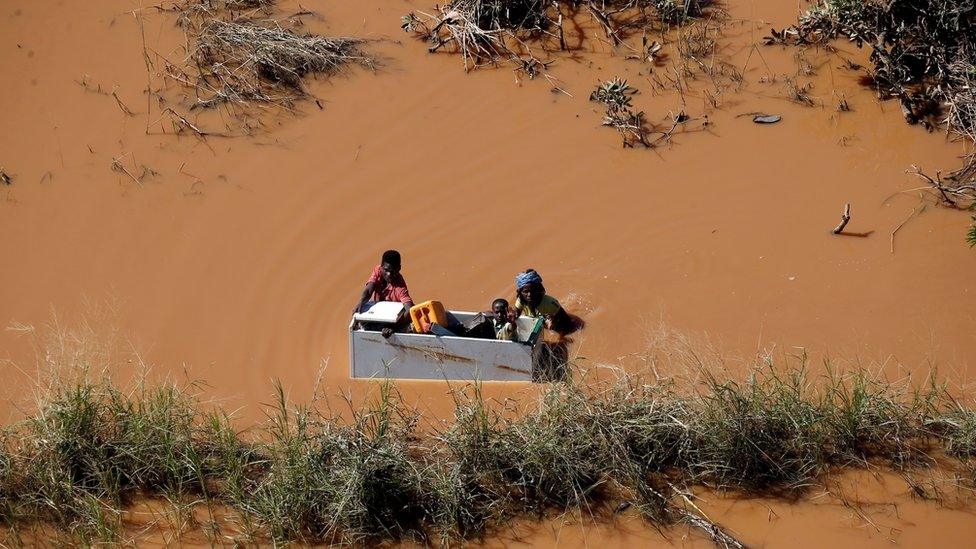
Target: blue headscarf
(528,277)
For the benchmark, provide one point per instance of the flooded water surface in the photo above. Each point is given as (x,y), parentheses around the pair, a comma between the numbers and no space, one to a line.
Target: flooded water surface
(237,260)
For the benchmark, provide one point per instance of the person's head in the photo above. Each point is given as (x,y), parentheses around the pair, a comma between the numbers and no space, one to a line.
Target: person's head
(390,264)
(500,307)
(529,286)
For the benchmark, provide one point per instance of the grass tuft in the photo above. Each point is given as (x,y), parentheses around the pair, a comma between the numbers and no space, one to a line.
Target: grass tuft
(375,477)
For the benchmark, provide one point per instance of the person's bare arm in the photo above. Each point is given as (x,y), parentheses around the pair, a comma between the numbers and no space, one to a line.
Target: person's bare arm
(367,291)
(402,321)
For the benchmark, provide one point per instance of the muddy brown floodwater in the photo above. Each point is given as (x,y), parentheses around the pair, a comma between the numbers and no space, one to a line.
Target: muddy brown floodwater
(240,260)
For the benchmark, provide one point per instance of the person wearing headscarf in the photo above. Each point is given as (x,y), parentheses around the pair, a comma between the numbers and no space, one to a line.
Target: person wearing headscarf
(533,301)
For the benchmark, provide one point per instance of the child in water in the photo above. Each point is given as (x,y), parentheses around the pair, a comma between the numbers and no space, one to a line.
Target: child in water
(503,321)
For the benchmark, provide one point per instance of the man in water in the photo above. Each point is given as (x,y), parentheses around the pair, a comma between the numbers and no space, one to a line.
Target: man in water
(386,283)
(533,302)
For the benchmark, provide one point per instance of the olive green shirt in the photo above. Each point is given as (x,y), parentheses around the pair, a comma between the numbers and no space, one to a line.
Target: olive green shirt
(547,308)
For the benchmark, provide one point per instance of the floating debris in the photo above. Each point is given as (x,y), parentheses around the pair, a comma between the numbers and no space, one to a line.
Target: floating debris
(767,118)
(5,178)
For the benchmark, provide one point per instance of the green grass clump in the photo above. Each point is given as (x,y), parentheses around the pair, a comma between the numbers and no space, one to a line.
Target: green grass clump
(473,493)
(70,463)
(554,457)
(763,434)
(351,484)
(647,429)
(8,503)
(375,477)
(385,480)
(872,418)
(91,448)
(294,498)
(959,432)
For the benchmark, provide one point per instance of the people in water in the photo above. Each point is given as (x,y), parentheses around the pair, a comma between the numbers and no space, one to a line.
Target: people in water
(533,301)
(386,283)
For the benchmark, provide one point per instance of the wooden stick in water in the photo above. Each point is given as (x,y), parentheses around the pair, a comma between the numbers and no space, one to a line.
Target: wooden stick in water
(845,218)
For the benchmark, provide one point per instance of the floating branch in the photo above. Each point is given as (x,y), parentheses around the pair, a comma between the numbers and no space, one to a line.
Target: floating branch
(845,218)
(915,211)
(953,192)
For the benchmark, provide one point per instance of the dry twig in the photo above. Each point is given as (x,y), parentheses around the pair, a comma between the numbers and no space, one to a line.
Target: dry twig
(845,218)
(915,211)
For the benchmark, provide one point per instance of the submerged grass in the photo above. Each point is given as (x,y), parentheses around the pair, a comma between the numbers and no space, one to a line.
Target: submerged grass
(242,60)
(586,446)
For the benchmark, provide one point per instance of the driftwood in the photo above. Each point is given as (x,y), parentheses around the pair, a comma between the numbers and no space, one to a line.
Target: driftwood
(700,520)
(119,167)
(845,218)
(714,532)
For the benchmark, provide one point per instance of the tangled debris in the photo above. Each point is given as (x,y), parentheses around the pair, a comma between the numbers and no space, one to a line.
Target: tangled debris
(528,34)
(238,57)
(489,32)
(246,61)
